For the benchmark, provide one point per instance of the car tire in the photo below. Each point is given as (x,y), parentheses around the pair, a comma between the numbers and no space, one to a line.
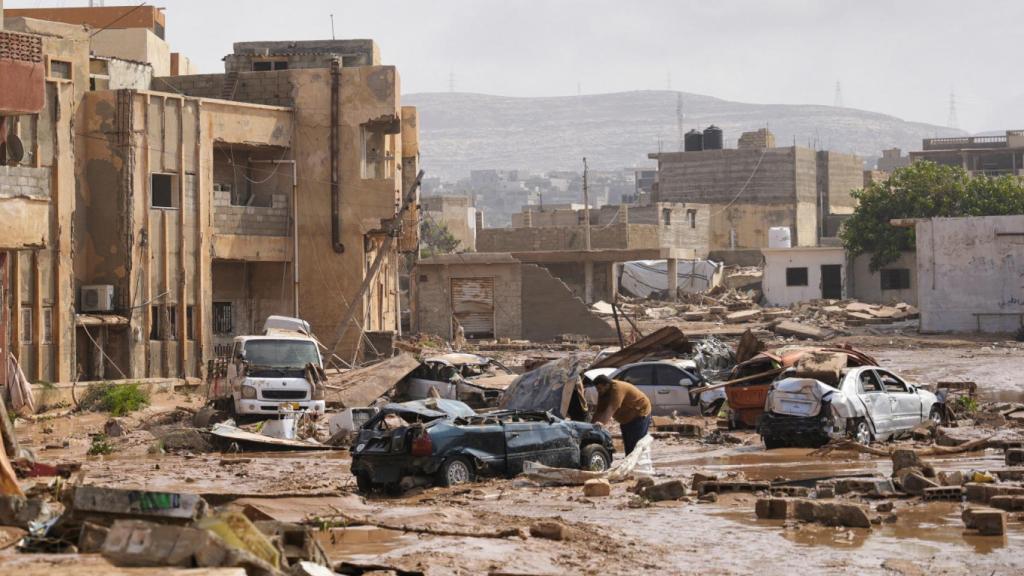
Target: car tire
(771,442)
(363,483)
(455,471)
(861,433)
(595,458)
(936,415)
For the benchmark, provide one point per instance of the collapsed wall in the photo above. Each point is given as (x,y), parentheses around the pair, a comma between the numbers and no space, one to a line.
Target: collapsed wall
(550,309)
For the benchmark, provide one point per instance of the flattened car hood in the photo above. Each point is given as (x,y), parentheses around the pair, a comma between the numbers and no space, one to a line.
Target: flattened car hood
(797,397)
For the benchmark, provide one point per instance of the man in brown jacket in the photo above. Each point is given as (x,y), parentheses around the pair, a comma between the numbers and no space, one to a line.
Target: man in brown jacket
(627,404)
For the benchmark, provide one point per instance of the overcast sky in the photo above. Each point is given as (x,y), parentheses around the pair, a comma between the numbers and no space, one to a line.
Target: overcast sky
(897,57)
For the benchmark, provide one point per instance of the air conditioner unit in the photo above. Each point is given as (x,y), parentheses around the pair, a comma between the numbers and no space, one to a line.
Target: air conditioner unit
(98,298)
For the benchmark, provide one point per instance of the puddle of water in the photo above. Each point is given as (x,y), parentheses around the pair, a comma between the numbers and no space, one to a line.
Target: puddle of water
(361,542)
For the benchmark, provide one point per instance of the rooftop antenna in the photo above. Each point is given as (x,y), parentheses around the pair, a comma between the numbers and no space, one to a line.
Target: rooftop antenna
(679,118)
(332,27)
(952,121)
(838,100)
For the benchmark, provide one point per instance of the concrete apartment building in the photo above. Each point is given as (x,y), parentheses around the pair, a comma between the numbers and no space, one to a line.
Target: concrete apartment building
(458,214)
(752,189)
(979,155)
(155,224)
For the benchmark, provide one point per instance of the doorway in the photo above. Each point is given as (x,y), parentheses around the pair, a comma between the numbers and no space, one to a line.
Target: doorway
(832,281)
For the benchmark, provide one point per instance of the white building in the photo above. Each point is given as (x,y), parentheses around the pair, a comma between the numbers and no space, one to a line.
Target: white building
(801,273)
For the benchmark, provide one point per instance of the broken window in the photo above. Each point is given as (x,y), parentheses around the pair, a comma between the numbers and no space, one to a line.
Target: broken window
(162,191)
(26,325)
(895,278)
(164,323)
(796,276)
(691,217)
(666,216)
(869,383)
(223,318)
(60,69)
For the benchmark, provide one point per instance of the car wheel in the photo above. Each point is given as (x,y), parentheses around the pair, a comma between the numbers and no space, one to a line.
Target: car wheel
(456,470)
(363,483)
(935,415)
(595,458)
(771,442)
(861,433)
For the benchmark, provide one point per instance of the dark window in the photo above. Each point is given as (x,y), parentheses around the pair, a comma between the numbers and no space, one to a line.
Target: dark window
(154,323)
(281,65)
(796,276)
(171,312)
(892,383)
(895,278)
(669,376)
(639,376)
(666,216)
(691,217)
(223,318)
(262,66)
(869,382)
(60,69)
(163,195)
(188,323)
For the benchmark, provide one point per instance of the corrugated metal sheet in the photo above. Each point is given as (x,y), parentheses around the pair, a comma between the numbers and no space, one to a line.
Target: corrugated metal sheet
(473,306)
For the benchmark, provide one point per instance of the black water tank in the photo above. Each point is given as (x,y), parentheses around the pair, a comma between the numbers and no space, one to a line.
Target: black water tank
(712,138)
(693,141)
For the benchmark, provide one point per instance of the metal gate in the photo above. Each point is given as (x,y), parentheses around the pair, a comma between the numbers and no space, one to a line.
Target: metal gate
(473,306)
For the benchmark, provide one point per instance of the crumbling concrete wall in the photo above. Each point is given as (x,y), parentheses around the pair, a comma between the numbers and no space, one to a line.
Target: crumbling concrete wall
(866,286)
(303,54)
(970,273)
(550,309)
(24,207)
(458,214)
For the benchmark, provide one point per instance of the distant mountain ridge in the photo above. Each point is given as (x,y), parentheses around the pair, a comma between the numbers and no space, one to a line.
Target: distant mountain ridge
(460,132)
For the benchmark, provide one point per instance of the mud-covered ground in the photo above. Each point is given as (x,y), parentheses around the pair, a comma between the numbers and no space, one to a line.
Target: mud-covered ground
(614,535)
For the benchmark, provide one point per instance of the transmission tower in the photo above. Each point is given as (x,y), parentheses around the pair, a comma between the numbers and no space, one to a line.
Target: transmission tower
(679,118)
(952,120)
(838,100)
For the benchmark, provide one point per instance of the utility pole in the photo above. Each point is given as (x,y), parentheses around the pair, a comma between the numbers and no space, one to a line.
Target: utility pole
(586,209)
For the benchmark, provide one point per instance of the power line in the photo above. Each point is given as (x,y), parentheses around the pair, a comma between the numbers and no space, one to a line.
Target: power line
(118,19)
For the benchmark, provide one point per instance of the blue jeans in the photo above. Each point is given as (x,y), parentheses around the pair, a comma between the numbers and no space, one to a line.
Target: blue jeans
(633,431)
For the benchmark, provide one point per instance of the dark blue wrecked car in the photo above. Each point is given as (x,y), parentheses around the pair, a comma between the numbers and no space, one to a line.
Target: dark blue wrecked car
(446,443)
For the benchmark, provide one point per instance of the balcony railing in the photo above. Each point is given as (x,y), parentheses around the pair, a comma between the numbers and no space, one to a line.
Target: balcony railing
(964,142)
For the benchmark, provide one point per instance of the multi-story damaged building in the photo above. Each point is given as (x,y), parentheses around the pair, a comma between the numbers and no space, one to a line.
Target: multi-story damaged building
(757,187)
(181,211)
(979,155)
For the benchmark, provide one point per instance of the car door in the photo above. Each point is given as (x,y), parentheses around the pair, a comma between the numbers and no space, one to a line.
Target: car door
(549,442)
(906,405)
(877,402)
(672,391)
(642,376)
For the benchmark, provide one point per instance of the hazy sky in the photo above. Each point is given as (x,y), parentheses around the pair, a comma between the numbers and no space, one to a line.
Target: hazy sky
(897,57)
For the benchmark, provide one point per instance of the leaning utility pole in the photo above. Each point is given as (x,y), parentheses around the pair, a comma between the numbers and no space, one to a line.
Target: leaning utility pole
(586,209)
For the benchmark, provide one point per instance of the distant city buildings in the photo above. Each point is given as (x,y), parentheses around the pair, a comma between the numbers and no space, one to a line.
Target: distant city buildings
(979,155)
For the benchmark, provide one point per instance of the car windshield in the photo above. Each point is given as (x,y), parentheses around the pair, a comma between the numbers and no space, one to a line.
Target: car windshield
(281,353)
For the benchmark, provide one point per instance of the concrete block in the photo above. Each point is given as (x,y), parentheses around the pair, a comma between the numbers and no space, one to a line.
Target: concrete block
(832,513)
(551,530)
(987,521)
(915,483)
(1009,503)
(772,508)
(596,487)
(670,490)
(94,501)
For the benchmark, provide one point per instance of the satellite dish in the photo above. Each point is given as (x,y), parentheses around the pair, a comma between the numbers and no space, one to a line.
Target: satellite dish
(15,149)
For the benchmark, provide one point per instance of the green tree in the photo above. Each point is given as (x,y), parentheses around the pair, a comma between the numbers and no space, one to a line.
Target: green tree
(436,239)
(922,190)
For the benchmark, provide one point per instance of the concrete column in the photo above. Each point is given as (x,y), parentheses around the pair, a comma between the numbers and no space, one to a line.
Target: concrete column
(588,281)
(613,281)
(673,279)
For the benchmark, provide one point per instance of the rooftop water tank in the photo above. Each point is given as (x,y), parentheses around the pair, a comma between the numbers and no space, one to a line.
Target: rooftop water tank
(712,138)
(778,237)
(693,141)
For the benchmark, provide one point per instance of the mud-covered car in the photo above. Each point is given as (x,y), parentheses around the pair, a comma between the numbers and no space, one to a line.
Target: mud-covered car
(412,444)
(868,403)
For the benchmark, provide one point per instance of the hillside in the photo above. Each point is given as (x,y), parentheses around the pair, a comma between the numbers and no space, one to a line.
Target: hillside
(460,132)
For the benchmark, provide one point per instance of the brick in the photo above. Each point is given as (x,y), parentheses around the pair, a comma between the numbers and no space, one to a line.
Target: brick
(772,508)
(987,521)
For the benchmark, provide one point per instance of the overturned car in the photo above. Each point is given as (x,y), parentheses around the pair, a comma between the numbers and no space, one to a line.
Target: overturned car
(865,403)
(444,442)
